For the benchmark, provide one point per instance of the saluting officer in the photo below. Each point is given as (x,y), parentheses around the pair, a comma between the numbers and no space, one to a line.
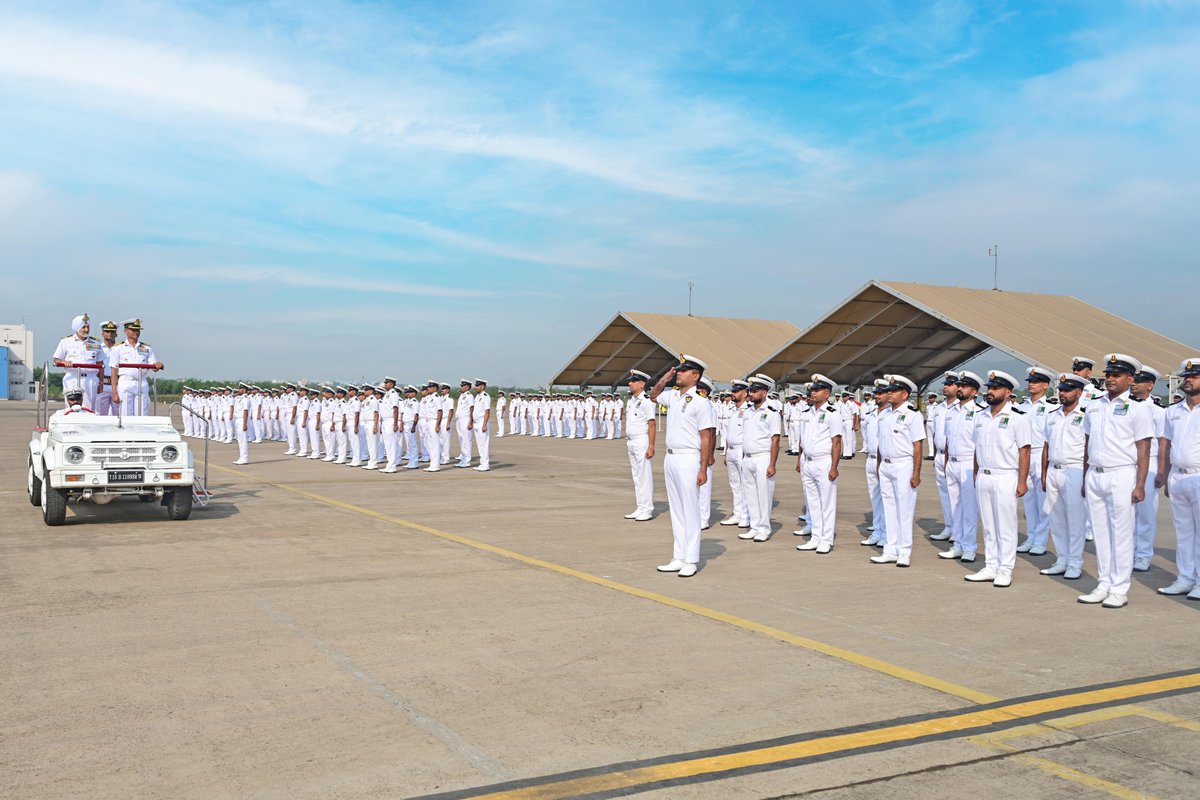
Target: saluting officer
(641,428)
(1002,443)
(901,446)
(1062,475)
(821,449)
(691,423)
(1179,474)
(1118,431)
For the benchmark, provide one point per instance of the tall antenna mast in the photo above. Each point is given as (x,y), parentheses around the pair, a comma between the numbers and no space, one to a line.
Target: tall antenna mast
(994,252)
(690,287)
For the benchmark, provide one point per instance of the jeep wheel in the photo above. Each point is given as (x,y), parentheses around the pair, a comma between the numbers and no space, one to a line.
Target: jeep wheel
(179,503)
(34,484)
(54,505)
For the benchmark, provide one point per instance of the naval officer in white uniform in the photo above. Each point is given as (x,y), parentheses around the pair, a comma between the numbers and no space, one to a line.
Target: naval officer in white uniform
(1179,474)
(641,430)
(1116,462)
(80,349)
(691,425)
(821,448)
(130,384)
(901,450)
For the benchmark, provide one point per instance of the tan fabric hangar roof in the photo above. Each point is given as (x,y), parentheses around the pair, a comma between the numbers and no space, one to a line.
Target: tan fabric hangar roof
(920,331)
(652,342)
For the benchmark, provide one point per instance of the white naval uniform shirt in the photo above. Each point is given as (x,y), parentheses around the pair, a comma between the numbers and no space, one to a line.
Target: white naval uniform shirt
(370,407)
(447,403)
(759,426)
(390,400)
(1000,437)
(241,405)
(74,350)
(1158,416)
(462,413)
(938,413)
(410,407)
(429,407)
(302,407)
(735,422)
(899,429)
(353,406)
(501,404)
(479,406)
(1064,437)
(687,414)
(959,427)
(1181,427)
(125,353)
(1037,413)
(1114,427)
(870,432)
(824,423)
(638,413)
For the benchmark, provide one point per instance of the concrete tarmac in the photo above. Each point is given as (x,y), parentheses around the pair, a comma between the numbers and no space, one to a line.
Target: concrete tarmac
(319,631)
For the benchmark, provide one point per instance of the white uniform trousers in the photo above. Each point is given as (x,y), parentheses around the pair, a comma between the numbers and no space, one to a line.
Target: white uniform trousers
(680,470)
(243,441)
(570,424)
(899,500)
(1110,508)
(1185,511)
(355,445)
(1145,520)
(793,437)
(704,501)
(314,440)
(483,444)
(134,394)
(431,441)
(328,442)
(878,518)
(617,427)
(939,477)
(498,421)
(342,439)
(734,468)
(389,443)
(464,442)
(848,441)
(964,504)
(756,487)
(997,493)
(609,430)
(821,494)
(411,448)
(373,449)
(104,403)
(1037,524)
(444,443)
(1066,510)
(291,434)
(642,470)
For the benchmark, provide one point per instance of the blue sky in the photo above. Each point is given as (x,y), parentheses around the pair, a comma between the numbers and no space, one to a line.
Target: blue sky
(342,189)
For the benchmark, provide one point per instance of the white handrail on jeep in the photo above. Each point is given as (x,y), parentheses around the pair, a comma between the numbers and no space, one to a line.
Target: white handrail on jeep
(200,492)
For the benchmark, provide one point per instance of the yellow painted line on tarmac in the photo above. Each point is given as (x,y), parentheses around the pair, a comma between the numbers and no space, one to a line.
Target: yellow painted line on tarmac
(858,659)
(623,779)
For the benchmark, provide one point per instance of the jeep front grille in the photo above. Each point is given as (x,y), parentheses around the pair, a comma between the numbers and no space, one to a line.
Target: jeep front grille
(123,454)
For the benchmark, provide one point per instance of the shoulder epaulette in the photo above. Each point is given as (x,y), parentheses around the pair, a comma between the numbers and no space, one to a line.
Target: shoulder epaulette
(1052,401)
(1017,410)
(1158,401)
(911,407)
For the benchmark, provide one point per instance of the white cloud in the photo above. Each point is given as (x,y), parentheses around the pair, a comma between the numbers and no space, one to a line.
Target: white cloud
(277,277)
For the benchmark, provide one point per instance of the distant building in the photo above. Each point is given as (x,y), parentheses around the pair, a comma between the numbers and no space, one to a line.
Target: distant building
(16,362)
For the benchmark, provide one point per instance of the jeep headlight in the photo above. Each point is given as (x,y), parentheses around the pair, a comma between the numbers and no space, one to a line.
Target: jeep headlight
(73,455)
(170,453)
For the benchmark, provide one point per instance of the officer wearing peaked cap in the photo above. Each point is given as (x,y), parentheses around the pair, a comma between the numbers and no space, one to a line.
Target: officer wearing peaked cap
(1179,474)
(870,429)
(641,430)
(1117,460)
(820,451)
(1145,519)
(108,340)
(130,383)
(901,449)
(1002,443)
(1062,475)
(959,464)
(1083,366)
(734,421)
(480,424)
(1037,408)
(761,430)
(690,442)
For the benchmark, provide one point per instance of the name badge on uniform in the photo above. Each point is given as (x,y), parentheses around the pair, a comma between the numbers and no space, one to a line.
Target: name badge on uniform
(822,419)
(1041,410)
(1077,419)
(902,417)
(1004,422)
(763,416)
(1121,410)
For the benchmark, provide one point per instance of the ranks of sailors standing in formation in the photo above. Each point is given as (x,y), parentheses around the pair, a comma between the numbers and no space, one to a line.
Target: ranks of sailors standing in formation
(563,415)
(1086,464)
(369,426)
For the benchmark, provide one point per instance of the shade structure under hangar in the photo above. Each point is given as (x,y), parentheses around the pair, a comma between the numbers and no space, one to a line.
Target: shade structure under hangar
(653,342)
(920,331)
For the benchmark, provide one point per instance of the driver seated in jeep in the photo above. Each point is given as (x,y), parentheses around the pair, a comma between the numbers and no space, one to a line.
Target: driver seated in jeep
(74,398)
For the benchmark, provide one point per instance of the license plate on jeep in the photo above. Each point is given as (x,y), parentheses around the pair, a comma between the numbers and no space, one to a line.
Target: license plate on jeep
(126,475)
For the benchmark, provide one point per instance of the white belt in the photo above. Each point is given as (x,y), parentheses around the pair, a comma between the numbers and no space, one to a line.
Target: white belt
(896,460)
(1068,465)
(961,458)
(871,456)
(1186,470)
(1102,470)
(998,471)
(822,457)
(676,451)
(760,453)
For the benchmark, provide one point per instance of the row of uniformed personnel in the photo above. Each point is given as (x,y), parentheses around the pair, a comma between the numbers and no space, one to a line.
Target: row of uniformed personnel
(366,426)
(1091,459)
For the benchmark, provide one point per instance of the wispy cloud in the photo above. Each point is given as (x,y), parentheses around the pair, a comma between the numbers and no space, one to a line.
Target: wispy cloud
(277,277)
